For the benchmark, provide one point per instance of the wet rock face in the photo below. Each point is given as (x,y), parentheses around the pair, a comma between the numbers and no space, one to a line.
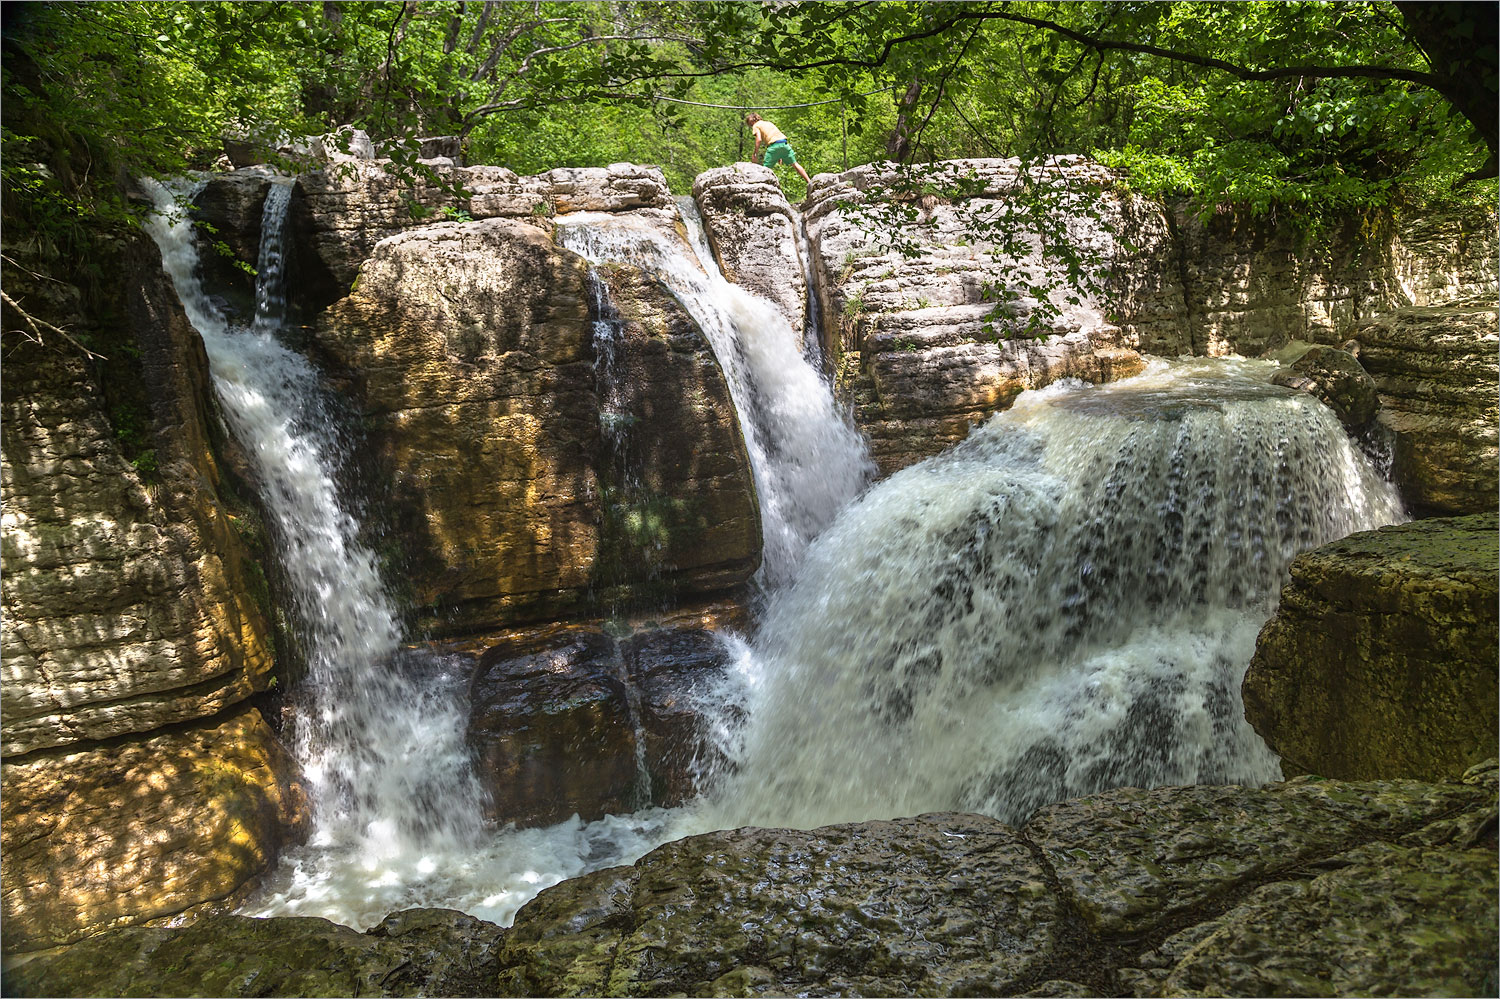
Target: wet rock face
(754,235)
(1435,369)
(130,831)
(1380,660)
(469,349)
(593,724)
(1304,888)
(1335,377)
(553,735)
(419,952)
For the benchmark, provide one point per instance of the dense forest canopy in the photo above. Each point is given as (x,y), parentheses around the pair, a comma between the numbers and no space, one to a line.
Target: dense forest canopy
(1300,107)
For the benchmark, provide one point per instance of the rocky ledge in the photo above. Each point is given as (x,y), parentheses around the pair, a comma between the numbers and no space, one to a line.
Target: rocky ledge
(1372,888)
(1380,660)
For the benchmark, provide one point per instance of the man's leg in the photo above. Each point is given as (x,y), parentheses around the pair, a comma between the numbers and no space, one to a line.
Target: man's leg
(802,172)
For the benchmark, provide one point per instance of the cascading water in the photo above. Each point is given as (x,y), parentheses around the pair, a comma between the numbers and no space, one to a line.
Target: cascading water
(379,730)
(1063,603)
(807,460)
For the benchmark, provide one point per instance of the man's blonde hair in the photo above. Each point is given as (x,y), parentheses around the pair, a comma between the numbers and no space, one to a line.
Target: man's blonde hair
(751,118)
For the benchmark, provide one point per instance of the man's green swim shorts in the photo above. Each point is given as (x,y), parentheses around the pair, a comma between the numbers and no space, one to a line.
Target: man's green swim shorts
(779,151)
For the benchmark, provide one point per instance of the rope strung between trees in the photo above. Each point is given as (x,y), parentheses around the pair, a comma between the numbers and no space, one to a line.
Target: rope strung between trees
(757,107)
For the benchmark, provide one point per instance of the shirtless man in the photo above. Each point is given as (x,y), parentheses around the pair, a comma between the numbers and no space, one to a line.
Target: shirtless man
(778,150)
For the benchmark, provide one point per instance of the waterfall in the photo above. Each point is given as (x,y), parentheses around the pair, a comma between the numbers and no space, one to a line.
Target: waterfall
(378,730)
(1063,603)
(808,461)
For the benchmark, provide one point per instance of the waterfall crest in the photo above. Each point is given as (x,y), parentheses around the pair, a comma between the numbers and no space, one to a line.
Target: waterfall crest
(807,458)
(1063,603)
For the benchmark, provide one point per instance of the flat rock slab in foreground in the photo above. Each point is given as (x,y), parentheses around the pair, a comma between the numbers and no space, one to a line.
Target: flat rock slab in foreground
(1304,888)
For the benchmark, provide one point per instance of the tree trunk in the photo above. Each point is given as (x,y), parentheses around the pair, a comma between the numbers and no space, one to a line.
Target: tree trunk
(898,145)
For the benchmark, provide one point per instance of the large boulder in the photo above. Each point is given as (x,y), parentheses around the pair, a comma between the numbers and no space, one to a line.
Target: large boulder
(122,833)
(469,350)
(1380,660)
(343,211)
(1336,378)
(1304,888)
(753,232)
(1436,371)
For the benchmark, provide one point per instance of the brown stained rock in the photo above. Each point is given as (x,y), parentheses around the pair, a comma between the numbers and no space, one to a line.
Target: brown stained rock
(135,830)
(1380,660)
(1436,370)
(754,235)
(579,721)
(128,606)
(469,348)
(553,734)
(676,673)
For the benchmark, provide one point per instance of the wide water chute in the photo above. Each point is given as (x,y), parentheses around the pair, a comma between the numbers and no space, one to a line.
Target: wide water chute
(1063,603)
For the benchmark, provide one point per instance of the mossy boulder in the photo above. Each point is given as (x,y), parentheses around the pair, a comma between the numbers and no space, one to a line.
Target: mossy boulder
(1381,659)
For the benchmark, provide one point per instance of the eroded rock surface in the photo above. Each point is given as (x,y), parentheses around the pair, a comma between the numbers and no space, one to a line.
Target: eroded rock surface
(132,830)
(754,235)
(469,349)
(1380,660)
(584,722)
(1436,371)
(1304,888)
(1337,379)
(128,605)
(342,212)
(924,353)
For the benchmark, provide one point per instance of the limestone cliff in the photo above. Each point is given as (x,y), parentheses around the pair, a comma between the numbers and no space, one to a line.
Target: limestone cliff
(132,607)
(469,350)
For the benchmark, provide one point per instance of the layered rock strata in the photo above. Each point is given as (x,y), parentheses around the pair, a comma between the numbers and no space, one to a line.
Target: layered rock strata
(1303,888)
(469,351)
(922,352)
(1380,660)
(136,784)
(926,345)
(131,830)
(1436,372)
(343,211)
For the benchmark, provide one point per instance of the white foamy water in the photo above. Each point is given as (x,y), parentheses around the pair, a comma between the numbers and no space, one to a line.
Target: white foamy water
(807,459)
(1065,602)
